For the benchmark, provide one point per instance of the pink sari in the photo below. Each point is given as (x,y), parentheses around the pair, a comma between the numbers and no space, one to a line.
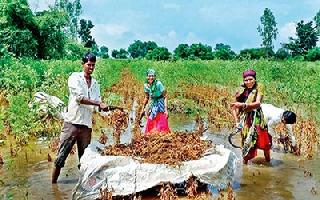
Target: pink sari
(157,125)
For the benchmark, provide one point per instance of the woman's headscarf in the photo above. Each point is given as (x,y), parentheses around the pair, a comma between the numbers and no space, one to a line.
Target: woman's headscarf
(249,72)
(151,72)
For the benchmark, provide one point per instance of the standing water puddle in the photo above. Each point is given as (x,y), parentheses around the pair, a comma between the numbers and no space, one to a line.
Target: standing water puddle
(28,175)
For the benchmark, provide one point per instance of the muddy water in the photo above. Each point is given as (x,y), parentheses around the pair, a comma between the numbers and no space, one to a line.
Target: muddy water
(27,176)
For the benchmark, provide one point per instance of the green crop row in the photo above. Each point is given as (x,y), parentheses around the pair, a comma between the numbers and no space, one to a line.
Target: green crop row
(288,84)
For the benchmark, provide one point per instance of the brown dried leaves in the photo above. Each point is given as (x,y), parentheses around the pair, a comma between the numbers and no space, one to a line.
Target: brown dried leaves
(215,100)
(167,192)
(171,148)
(306,136)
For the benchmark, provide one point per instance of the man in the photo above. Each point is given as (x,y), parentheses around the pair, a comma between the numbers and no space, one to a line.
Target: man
(84,98)
(275,116)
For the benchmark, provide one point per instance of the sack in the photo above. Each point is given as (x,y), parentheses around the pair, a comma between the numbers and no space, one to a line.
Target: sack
(48,104)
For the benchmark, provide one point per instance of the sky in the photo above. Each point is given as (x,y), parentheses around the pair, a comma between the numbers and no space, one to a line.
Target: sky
(172,22)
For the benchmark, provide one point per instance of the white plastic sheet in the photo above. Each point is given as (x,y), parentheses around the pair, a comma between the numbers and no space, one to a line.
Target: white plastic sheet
(49,105)
(124,175)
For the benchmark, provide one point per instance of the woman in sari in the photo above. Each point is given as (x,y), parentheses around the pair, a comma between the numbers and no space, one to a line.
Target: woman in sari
(157,112)
(249,118)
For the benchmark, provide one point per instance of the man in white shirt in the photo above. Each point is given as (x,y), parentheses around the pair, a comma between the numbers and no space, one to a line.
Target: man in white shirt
(275,116)
(84,98)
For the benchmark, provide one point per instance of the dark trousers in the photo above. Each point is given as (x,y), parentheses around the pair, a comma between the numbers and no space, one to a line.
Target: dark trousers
(72,133)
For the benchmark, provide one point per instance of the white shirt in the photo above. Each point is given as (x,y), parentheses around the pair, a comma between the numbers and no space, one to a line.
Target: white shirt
(78,88)
(273,116)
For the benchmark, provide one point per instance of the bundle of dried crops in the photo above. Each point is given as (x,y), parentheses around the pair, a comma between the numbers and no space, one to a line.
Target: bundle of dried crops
(171,148)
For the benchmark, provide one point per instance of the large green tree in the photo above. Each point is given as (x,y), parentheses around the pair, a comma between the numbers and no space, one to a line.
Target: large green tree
(104,52)
(121,54)
(194,51)
(256,53)
(224,52)
(85,33)
(74,50)
(139,49)
(24,34)
(159,53)
(73,10)
(282,54)
(306,39)
(268,29)
(317,22)
(52,38)
(313,54)
(18,29)
(182,51)
(201,51)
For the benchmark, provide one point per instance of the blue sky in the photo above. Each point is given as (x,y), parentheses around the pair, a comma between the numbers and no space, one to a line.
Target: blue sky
(171,22)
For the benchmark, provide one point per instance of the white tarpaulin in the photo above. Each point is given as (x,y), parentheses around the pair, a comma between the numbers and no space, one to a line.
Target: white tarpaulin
(126,176)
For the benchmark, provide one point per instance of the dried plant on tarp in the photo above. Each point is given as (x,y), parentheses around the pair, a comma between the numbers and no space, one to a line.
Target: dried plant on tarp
(171,148)
(201,196)
(167,192)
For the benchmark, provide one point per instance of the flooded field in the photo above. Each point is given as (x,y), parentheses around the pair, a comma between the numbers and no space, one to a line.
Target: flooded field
(28,175)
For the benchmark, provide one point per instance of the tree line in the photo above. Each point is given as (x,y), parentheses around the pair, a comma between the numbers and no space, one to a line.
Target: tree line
(59,33)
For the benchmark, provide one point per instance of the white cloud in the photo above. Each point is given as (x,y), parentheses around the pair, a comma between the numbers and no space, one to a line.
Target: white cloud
(226,13)
(313,3)
(171,6)
(169,40)
(114,36)
(40,5)
(191,38)
(172,34)
(286,31)
(110,29)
